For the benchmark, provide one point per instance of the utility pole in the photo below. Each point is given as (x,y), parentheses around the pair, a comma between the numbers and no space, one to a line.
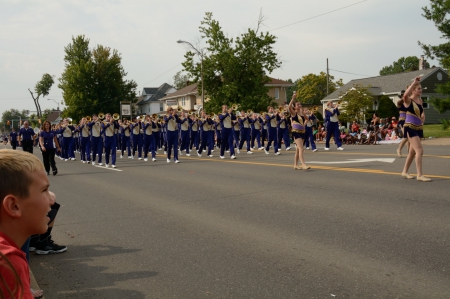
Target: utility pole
(328,75)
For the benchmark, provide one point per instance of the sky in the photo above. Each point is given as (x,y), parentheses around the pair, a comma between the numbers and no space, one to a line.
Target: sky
(359,37)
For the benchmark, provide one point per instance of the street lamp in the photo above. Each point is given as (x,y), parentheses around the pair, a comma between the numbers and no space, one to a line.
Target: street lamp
(201,67)
(59,111)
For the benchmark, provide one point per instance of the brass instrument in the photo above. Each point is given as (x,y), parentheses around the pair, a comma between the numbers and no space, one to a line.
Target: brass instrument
(315,109)
(154,116)
(249,111)
(116,116)
(88,118)
(179,109)
(101,115)
(339,102)
(235,107)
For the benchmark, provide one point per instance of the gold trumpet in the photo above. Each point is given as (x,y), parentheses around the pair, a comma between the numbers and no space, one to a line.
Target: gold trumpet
(101,115)
(249,111)
(116,116)
(88,118)
(339,102)
(179,109)
(315,109)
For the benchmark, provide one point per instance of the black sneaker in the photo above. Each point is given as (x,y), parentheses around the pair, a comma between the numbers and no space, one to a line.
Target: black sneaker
(48,246)
(33,241)
(55,171)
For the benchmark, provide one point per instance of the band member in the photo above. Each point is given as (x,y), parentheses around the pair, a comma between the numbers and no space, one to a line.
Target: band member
(108,127)
(157,133)
(194,132)
(264,130)
(137,137)
(217,130)
(149,141)
(171,119)
(48,141)
(226,121)
(184,133)
(85,141)
(67,133)
(96,139)
(206,124)
(401,123)
(413,128)
(271,120)
(310,138)
(25,138)
(125,131)
(13,138)
(332,118)
(283,132)
(256,124)
(236,130)
(244,122)
(298,131)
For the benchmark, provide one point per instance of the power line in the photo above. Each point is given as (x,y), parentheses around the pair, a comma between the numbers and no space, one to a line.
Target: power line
(351,73)
(319,15)
(161,74)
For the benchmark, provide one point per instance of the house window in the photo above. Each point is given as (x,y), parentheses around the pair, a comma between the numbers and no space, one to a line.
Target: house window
(277,93)
(183,101)
(149,110)
(426,105)
(161,107)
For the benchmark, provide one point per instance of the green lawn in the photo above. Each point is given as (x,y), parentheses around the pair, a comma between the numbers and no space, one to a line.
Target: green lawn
(435,131)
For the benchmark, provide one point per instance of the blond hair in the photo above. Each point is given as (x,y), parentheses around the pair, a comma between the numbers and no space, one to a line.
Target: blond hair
(413,86)
(15,167)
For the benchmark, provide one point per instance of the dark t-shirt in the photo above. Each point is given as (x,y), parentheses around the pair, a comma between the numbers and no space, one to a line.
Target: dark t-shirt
(48,139)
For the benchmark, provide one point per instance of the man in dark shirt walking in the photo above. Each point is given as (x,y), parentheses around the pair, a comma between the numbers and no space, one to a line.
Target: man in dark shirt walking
(27,135)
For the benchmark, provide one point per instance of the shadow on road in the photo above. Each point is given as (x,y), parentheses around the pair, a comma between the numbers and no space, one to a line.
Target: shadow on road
(74,273)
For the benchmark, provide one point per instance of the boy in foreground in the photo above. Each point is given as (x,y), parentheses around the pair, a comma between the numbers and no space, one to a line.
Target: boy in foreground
(24,204)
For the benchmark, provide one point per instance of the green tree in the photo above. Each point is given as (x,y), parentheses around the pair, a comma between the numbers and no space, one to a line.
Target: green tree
(93,80)
(438,13)
(180,80)
(387,108)
(402,65)
(42,88)
(312,88)
(355,103)
(234,70)
(13,116)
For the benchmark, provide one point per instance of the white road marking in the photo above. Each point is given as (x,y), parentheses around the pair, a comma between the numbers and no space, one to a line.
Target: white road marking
(109,168)
(348,161)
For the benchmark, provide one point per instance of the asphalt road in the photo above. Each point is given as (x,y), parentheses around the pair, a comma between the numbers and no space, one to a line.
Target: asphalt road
(252,228)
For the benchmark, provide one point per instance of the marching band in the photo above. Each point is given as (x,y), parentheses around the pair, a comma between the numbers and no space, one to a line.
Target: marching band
(180,131)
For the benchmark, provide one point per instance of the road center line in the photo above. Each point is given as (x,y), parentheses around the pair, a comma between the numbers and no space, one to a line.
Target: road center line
(360,170)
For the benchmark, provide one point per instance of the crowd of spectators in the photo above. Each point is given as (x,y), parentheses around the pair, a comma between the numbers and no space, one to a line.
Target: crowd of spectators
(377,130)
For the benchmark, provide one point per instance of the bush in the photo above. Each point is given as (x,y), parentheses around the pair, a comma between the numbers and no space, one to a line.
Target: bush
(387,108)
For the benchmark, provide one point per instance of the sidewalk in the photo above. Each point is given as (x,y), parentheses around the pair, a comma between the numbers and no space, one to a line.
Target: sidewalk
(436,141)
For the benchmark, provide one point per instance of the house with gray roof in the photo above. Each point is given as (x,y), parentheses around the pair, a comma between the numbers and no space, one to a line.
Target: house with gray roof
(54,117)
(149,101)
(392,85)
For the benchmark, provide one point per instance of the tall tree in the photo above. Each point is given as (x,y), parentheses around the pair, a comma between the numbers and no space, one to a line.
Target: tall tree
(234,70)
(180,80)
(93,80)
(438,13)
(355,103)
(312,88)
(402,65)
(42,88)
